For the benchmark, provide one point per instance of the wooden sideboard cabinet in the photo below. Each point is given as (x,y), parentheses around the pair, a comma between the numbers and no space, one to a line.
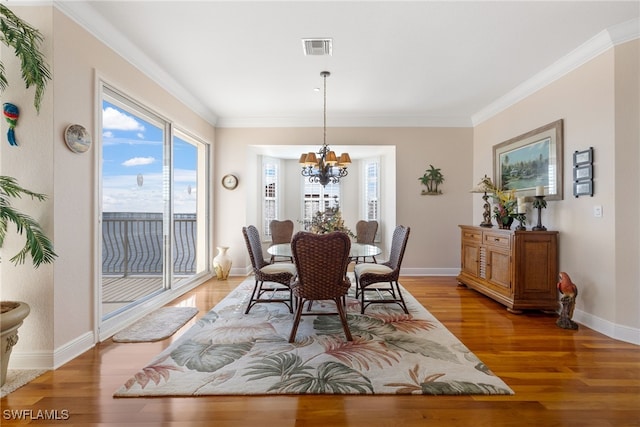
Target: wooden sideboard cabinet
(516,268)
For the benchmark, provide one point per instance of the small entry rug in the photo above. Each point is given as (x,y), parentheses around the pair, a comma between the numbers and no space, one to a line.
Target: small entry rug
(157,325)
(229,353)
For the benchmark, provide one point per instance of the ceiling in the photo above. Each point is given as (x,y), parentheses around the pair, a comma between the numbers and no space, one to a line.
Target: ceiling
(394,63)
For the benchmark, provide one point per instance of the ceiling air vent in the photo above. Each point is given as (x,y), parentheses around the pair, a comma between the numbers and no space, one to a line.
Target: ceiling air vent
(317,46)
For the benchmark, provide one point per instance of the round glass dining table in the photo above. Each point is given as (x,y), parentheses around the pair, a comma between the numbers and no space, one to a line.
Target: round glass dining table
(358,250)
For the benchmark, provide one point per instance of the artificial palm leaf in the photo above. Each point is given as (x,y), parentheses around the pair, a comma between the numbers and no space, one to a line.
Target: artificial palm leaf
(25,41)
(37,244)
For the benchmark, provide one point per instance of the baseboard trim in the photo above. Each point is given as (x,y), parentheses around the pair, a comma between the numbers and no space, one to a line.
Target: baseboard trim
(429,271)
(55,359)
(605,327)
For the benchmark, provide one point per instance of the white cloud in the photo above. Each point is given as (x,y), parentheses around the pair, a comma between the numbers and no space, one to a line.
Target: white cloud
(123,194)
(114,119)
(139,161)
(107,134)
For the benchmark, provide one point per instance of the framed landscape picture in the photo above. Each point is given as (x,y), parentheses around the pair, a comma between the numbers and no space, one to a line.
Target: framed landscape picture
(531,160)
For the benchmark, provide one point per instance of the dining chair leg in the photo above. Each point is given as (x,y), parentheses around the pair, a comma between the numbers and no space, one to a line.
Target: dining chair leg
(253,297)
(402,303)
(296,320)
(343,318)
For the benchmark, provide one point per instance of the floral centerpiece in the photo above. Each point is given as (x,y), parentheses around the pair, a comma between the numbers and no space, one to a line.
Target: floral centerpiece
(328,221)
(505,209)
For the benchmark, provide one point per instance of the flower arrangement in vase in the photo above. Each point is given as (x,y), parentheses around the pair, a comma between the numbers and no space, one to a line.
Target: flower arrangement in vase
(328,221)
(506,208)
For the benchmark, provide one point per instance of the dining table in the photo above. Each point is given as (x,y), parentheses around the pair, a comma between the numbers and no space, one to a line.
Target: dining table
(357,251)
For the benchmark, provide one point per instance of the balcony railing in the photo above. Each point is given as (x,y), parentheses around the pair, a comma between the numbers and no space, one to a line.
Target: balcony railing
(132,243)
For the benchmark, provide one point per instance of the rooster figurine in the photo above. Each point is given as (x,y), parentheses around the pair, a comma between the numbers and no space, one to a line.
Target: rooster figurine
(569,292)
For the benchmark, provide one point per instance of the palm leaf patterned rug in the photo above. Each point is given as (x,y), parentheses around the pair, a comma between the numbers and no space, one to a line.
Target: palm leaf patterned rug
(229,353)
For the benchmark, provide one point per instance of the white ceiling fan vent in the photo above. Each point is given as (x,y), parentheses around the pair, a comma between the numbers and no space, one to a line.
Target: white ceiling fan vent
(317,46)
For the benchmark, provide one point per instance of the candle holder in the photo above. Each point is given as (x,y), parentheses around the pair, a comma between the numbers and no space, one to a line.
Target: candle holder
(539,203)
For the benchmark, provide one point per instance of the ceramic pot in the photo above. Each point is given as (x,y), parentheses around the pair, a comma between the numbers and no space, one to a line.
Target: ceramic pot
(10,321)
(222,263)
(505,224)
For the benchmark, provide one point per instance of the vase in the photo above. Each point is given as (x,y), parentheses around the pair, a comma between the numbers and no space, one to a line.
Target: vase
(11,317)
(222,263)
(505,223)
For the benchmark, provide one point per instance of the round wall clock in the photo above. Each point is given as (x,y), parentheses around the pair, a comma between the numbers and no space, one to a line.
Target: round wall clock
(230,181)
(77,138)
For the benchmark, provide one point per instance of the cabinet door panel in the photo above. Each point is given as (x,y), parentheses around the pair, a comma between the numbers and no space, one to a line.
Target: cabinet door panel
(470,257)
(499,270)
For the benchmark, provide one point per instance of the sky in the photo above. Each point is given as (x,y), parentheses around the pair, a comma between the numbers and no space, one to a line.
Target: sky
(132,165)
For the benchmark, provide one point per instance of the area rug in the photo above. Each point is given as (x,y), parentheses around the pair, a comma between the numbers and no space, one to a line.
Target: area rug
(228,352)
(156,326)
(16,378)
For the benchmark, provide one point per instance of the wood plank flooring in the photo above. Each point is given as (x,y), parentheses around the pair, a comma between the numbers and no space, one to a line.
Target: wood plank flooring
(560,377)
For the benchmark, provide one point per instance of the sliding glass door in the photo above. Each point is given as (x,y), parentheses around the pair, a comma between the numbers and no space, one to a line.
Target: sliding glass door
(153,205)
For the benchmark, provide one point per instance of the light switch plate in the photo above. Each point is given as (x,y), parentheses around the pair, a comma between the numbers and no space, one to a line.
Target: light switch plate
(597,211)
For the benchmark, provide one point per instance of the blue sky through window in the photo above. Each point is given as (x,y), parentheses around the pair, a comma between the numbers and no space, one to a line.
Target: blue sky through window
(132,168)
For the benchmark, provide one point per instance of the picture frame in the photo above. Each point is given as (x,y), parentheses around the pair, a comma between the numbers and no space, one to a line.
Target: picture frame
(583,173)
(583,157)
(530,160)
(583,188)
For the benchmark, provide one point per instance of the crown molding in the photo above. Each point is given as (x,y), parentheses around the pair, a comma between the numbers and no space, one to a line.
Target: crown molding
(85,16)
(602,42)
(344,121)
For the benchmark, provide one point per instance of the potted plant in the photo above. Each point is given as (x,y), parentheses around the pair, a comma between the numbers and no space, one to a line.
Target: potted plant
(431,179)
(37,245)
(25,41)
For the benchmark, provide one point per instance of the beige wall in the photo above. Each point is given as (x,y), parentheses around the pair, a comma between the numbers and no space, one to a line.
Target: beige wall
(62,296)
(598,112)
(627,177)
(31,163)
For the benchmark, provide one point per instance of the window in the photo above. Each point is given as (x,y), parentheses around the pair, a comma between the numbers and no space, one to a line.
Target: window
(317,198)
(270,196)
(371,180)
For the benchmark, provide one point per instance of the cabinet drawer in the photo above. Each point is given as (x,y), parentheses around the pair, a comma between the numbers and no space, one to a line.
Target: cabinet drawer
(497,239)
(472,235)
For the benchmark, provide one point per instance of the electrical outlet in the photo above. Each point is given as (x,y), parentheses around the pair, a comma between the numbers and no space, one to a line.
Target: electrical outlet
(597,211)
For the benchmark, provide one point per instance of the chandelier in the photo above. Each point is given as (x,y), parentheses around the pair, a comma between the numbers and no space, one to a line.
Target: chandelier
(324,167)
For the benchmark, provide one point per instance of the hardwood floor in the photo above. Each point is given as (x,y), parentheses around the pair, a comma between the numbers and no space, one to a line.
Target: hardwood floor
(560,378)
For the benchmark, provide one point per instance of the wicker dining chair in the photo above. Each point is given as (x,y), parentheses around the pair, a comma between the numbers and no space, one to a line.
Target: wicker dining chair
(382,279)
(281,232)
(278,275)
(321,261)
(366,233)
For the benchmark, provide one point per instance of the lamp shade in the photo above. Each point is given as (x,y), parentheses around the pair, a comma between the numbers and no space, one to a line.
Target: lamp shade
(345,160)
(311,159)
(303,159)
(331,158)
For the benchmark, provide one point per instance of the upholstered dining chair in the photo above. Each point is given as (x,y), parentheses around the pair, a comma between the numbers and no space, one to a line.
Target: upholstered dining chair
(321,261)
(382,279)
(281,232)
(278,275)
(366,233)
